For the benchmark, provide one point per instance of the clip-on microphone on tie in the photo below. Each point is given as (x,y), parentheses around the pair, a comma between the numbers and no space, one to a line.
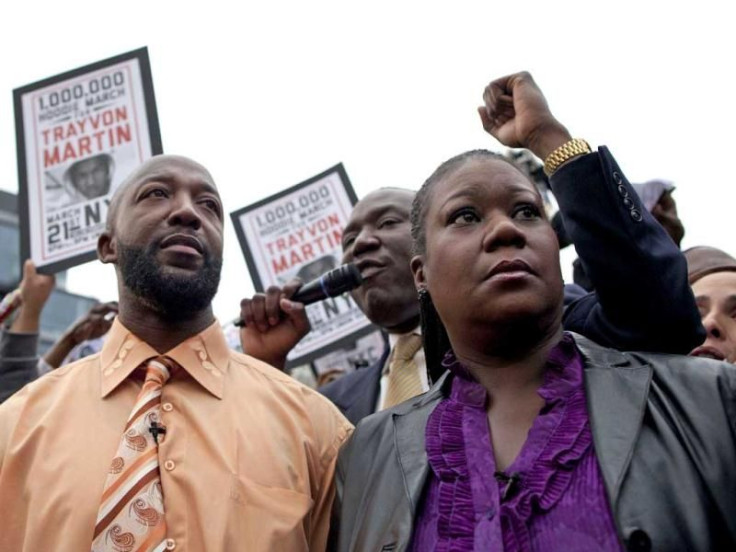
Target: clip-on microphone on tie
(157,429)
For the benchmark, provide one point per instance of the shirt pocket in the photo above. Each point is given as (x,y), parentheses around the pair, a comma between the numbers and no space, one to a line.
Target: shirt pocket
(267,518)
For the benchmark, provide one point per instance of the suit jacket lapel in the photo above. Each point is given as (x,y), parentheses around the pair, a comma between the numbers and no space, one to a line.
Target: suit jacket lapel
(617,387)
(356,394)
(409,434)
(363,394)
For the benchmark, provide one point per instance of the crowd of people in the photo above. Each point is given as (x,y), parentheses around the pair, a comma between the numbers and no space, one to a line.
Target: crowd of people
(510,411)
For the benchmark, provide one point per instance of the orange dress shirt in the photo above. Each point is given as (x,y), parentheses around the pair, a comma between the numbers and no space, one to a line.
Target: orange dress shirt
(247,462)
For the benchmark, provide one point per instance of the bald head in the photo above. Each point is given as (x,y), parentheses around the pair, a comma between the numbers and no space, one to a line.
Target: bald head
(154,168)
(164,234)
(377,239)
(390,192)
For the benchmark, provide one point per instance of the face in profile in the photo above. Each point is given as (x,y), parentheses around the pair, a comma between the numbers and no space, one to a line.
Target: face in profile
(490,254)
(378,240)
(715,295)
(91,177)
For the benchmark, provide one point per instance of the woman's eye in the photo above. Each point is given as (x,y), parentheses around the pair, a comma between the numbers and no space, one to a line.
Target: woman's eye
(347,241)
(527,212)
(464,216)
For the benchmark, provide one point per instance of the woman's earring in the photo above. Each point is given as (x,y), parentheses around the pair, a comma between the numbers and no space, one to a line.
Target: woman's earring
(422,293)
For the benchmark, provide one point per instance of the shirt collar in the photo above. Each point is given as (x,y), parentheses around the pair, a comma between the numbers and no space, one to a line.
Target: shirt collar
(393,338)
(204,356)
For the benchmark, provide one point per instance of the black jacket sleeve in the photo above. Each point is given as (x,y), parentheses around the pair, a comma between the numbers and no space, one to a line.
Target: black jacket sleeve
(642,300)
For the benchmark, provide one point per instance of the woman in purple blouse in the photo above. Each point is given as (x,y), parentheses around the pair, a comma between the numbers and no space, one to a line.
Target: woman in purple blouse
(535,439)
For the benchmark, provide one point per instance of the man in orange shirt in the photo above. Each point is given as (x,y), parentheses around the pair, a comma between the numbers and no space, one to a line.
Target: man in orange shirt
(166,440)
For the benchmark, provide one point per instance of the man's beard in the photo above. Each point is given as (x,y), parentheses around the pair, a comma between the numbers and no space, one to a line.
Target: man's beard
(173,296)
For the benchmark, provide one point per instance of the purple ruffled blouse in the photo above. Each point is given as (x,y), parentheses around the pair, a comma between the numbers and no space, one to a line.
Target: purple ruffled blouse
(551,498)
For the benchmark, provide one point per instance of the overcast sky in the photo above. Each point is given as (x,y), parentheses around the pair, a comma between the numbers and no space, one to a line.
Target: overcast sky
(270,93)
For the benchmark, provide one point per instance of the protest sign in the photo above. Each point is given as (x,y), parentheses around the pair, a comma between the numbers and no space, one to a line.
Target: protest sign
(298,233)
(79,134)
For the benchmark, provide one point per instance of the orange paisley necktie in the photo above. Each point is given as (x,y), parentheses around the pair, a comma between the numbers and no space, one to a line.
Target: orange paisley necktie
(131,516)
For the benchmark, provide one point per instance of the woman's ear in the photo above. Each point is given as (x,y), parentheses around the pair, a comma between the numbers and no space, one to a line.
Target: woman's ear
(417,269)
(107,248)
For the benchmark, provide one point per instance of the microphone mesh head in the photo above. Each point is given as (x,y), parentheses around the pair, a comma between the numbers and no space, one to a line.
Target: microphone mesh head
(344,278)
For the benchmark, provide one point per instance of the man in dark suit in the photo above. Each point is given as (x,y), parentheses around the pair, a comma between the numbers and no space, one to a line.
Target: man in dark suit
(642,301)
(377,239)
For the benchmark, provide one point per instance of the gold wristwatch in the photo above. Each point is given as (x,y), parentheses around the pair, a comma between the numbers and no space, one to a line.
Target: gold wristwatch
(566,151)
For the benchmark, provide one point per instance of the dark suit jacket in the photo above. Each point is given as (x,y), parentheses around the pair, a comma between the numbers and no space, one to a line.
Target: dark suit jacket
(664,431)
(643,300)
(356,394)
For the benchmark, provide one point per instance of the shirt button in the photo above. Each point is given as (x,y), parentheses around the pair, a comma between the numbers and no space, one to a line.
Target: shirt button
(617,177)
(623,192)
(170,544)
(169,465)
(636,215)
(167,407)
(628,203)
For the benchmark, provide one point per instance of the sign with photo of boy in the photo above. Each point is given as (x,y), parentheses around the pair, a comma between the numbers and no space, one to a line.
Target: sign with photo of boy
(79,134)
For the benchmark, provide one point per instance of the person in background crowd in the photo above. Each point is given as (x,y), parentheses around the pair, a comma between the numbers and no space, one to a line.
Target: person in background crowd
(19,344)
(167,439)
(643,301)
(329,376)
(19,361)
(535,439)
(657,198)
(88,330)
(712,275)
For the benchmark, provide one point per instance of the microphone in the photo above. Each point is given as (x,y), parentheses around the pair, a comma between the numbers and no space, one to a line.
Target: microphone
(157,429)
(331,284)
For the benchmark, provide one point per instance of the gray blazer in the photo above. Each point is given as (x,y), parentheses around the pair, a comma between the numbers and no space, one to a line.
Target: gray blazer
(664,429)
